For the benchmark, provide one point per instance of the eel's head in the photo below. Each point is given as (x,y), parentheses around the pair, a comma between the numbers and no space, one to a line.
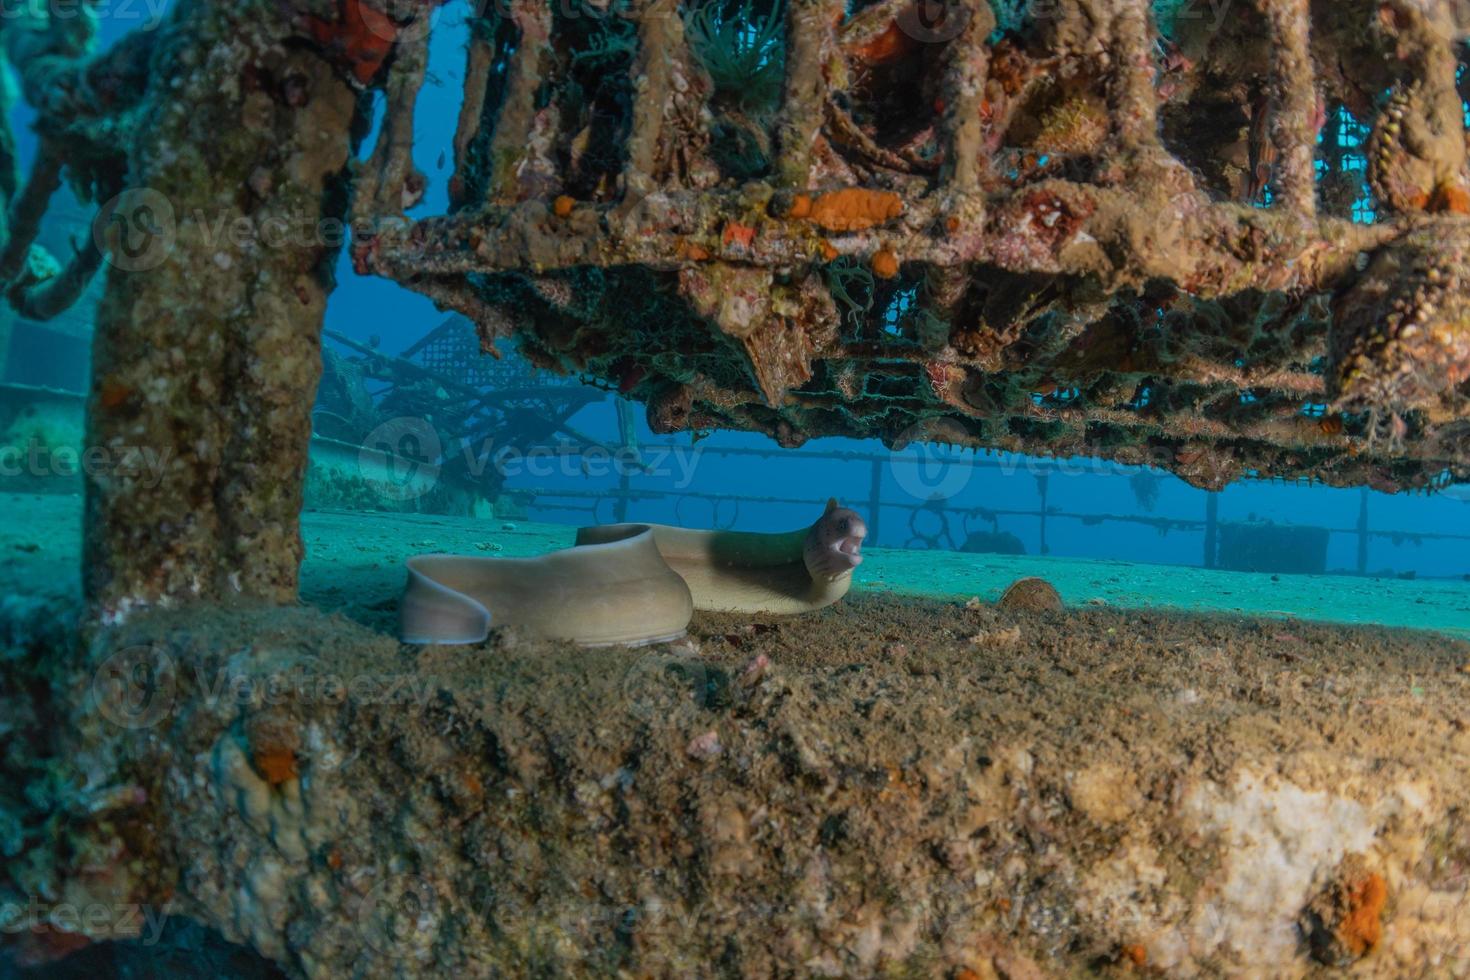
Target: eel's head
(834,545)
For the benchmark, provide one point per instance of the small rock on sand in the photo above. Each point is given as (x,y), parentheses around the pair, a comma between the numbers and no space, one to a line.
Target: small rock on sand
(706,746)
(1031,595)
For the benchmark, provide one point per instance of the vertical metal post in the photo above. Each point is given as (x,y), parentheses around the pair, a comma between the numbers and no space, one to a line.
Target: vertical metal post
(1041,487)
(7,321)
(627,452)
(1363,531)
(875,500)
(620,506)
(1212,529)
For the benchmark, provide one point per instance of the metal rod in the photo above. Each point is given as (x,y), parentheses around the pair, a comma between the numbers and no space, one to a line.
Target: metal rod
(1166,523)
(976,462)
(875,501)
(987,512)
(1041,488)
(1363,531)
(1212,529)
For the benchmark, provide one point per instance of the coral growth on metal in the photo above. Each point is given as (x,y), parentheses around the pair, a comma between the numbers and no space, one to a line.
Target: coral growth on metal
(1225,242)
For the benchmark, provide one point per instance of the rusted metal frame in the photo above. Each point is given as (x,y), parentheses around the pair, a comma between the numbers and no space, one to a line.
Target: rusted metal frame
(1135,102)
(490,241)
(457,294)
(1214,372)
(1260,446)
(661,46)
(1178,424)
(1294,121)
(524,76)
(28,209)
(479,64)
(962,126)
(388,183)
(965,76)
(810,41)
(47,300)
(844,131)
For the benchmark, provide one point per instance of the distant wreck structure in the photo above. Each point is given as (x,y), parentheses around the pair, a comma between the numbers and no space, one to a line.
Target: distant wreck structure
(1227,243)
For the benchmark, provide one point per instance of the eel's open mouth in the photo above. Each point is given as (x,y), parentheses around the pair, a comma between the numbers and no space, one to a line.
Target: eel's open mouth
(837,545)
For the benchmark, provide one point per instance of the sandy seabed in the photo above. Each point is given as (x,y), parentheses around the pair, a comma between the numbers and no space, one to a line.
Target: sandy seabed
(354,564)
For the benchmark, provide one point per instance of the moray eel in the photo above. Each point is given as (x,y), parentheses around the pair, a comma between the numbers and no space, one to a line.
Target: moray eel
(632,583)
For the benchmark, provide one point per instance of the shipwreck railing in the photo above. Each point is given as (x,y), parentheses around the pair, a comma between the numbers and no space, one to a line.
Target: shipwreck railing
(878,506)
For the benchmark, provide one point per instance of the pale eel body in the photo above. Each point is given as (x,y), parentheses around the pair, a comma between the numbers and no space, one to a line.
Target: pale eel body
(632,583)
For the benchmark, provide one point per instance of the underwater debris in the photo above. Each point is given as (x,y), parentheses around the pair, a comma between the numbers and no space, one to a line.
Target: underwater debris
(997,639)
(1344,923)
(1402,338)
(485,737)
(1116,305)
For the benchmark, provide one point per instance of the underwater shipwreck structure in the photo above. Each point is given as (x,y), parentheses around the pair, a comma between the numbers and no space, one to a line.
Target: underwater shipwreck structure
(1117,229)
(1227,240)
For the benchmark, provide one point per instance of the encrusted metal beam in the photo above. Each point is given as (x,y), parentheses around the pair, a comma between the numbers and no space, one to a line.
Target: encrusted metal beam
(994,233)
